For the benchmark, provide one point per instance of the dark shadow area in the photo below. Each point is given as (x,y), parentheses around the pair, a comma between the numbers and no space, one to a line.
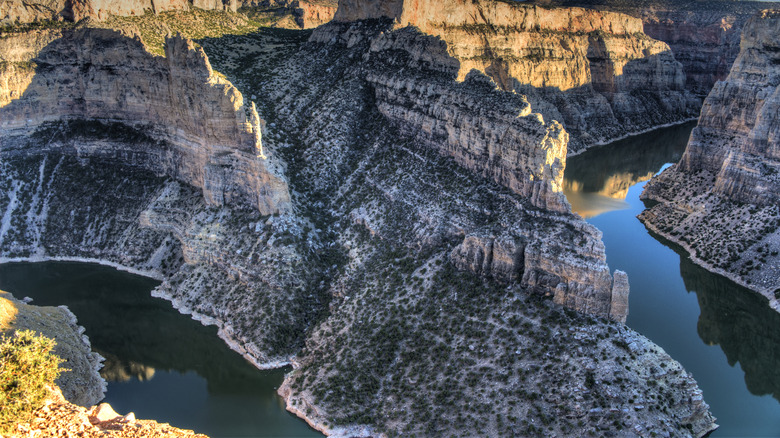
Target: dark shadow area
(130,327)
(738,320)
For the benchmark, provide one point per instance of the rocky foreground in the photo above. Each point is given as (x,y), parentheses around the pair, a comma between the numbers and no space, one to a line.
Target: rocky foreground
(720,202)
(61,418)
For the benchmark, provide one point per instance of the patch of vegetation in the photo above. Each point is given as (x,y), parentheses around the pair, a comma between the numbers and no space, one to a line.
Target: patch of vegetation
(27,368)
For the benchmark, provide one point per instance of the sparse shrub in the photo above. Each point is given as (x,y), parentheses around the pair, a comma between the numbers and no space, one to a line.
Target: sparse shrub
(27,367)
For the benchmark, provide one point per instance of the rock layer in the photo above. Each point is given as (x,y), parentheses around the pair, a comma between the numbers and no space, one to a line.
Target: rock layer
(205,134)
(731,170)
(704,36)
(595,72)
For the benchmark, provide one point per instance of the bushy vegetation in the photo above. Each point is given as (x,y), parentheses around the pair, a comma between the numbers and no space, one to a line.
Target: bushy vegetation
(27,367)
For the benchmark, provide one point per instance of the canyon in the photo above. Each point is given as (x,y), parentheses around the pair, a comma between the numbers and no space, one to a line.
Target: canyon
(720,201)
(397,208)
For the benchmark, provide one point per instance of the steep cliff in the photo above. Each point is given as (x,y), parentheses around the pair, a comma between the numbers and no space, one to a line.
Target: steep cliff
(721,200)
(595,72)
(205,133)
(703,35)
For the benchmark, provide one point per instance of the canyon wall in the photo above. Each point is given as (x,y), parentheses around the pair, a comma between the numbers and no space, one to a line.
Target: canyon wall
(307,13)
(704,36)
(206,135)
(595,72)
(730,171)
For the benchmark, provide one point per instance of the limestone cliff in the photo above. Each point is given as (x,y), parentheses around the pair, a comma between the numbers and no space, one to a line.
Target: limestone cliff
(595,72)
(489,132)
(24,11)
(202,130)
(703,35)
(721,200)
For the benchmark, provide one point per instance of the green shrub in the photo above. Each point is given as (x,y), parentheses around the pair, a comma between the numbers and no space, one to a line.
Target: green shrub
(27,366)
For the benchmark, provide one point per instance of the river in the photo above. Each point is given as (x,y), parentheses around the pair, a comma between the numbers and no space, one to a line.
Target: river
(159,364)
(722,333)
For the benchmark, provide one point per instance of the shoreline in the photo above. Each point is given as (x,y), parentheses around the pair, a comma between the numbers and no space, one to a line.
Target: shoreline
(772,302)
(223,331)
(630,134)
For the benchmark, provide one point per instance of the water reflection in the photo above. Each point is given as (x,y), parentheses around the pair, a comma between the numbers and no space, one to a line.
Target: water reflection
(723,334)
(159,364)
(598,180)
(741,322)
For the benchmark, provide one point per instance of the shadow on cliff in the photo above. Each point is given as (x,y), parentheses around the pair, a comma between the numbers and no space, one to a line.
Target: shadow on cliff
(737,319)
(646,95)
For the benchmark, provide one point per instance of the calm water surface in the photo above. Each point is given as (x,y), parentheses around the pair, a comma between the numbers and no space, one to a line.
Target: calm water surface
(725,335)
(159,364)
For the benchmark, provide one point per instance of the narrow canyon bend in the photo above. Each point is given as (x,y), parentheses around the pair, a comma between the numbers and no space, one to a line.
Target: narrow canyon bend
(378,201)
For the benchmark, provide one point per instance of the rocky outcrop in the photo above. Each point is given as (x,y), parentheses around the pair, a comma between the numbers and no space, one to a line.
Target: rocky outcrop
(58,417)
(81,384)
(595,72)
(311,14)
(198,127)
(721,200)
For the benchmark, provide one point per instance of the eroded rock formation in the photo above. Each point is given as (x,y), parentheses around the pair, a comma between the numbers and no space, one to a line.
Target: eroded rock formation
(595,72)
(721,200)
(704,36)
(199,128)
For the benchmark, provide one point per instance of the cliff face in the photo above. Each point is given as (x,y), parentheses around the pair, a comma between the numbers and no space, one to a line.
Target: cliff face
(704,36)
(596,72)
(206,134)
(23,11)
(730,167)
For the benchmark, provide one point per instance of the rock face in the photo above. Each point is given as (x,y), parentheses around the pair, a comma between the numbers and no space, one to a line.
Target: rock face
(311,14)
(595,72)
(74,10)
(81,384)
(206,134)
(704,36)
(730,169)
(489,132)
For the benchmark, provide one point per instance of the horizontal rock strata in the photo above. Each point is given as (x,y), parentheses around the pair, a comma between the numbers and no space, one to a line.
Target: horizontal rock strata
(199,128)
(595,72)
(721,200)
(704,36)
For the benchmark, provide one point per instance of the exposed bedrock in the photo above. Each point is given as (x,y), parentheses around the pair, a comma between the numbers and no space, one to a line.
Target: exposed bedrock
(595,72)
(490,133)
(721,200)
(306,13)
(704,36)
(201,130)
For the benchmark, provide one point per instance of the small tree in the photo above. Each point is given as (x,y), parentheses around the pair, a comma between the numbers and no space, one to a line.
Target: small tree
(27,367)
